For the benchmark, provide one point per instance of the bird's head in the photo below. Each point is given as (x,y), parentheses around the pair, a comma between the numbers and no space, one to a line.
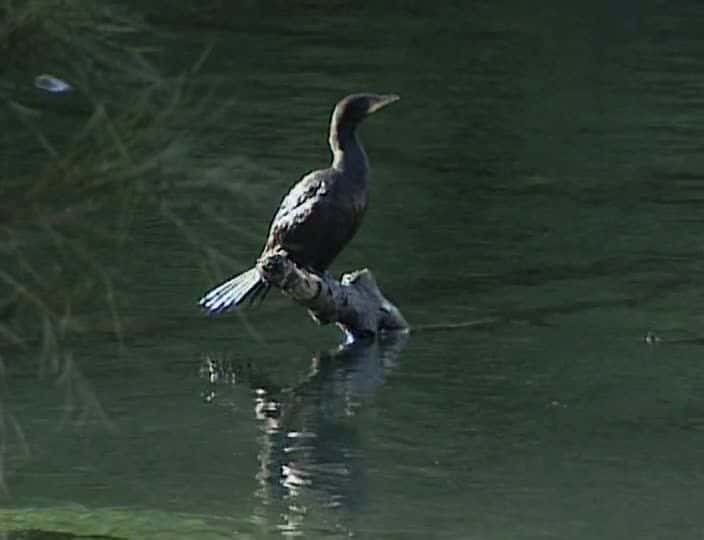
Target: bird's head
(351,110)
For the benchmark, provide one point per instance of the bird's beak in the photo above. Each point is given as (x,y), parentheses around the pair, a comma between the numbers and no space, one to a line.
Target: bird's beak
(382,101)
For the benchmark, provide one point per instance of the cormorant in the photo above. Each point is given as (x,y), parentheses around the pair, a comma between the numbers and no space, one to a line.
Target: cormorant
(321,213)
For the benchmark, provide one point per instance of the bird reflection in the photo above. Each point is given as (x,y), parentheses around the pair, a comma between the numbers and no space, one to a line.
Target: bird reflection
(310,453)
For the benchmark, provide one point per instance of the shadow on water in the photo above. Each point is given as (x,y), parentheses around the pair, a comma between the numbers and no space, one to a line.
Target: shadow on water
(309,449)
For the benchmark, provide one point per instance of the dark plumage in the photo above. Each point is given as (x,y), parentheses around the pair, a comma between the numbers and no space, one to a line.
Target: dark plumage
(321,213)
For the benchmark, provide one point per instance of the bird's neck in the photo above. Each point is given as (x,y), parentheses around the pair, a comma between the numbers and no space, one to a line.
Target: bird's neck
(348,154)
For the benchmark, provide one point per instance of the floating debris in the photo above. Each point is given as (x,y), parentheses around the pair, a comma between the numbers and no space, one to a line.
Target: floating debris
(52,84)
(651,338)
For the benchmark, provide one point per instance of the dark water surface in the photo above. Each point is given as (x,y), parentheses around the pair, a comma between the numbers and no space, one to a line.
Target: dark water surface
(543,171)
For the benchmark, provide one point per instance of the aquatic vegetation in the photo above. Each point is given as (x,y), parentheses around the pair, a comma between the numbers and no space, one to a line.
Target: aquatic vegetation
(82,199)
(83,173)
(89,35)
(69,521)
(84,177)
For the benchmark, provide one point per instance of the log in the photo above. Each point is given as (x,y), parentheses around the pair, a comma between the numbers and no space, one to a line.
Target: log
(355,302)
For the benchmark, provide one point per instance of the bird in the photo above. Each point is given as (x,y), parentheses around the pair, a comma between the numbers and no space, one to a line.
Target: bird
(321,212)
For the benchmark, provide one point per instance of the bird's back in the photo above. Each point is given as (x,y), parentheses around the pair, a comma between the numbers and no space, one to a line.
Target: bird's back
(318,217)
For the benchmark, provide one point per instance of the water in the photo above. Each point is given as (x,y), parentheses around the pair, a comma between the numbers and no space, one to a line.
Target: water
(542,174)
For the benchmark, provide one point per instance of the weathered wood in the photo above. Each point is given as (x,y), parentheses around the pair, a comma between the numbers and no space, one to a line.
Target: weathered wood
(354,303)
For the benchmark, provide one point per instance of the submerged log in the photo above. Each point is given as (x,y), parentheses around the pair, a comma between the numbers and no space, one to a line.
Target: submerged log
(354,303)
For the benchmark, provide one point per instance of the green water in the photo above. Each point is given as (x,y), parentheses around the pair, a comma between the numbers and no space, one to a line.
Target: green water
(542,172)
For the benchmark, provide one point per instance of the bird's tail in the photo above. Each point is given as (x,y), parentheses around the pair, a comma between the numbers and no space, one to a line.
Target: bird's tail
(247,286)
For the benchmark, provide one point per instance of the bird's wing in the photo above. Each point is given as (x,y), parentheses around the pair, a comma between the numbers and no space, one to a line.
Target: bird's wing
(298,204)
